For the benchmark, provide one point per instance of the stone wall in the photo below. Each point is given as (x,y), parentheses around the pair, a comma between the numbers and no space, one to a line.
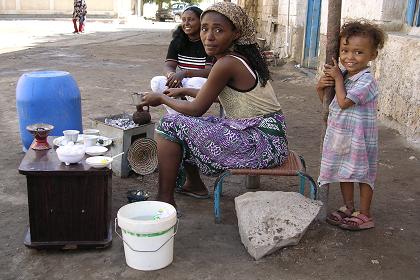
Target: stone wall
(397,72)
(282,26)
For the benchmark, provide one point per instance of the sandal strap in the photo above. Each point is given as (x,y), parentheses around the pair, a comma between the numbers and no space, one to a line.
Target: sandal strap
(341,213)
(358,218)
(345,210)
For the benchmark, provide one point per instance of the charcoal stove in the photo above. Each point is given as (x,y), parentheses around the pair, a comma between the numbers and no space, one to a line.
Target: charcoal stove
(124,132)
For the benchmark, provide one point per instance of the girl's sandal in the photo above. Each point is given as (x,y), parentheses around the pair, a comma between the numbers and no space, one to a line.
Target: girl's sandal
(337,217)
(357,221)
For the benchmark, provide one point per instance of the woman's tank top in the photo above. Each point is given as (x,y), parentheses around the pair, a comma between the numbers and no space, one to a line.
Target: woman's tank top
(256,102)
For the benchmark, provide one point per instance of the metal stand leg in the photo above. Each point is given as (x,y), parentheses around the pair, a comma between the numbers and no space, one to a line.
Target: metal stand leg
(218,185)
(302,183)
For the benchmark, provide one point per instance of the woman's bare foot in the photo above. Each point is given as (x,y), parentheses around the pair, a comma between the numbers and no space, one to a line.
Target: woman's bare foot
(197,190)
(193,186)
(196,187)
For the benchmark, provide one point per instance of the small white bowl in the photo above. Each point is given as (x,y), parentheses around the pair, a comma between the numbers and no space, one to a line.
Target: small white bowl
(71,135)
(90,140)
(99,161)
(70,153)
(91,131)
(96,150)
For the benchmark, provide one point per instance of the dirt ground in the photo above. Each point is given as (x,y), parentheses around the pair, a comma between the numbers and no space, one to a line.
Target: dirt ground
(108,66)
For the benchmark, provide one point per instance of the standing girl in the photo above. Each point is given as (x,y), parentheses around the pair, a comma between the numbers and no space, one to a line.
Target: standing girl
(350,148)
(187,53)
(253,133)
(79,14)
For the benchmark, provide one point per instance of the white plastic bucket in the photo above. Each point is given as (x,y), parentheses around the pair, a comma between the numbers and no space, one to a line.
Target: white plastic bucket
(148,233)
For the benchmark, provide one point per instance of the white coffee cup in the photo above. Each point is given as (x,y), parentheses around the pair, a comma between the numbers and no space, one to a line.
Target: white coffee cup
(71,135)
(91,131)
(90,140)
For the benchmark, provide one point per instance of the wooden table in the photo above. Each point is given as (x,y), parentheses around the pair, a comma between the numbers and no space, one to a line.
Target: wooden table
(69,206)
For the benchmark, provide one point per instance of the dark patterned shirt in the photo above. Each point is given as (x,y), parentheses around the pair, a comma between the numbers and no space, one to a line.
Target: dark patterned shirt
(190,57)
(80,9)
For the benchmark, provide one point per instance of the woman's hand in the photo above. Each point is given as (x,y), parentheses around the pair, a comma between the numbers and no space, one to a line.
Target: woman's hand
(174,92)
(175,79)
(151,99)
(333,70)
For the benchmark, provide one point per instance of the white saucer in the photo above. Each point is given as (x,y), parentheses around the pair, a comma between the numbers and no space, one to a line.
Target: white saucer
(61,141)
(99,161)
(106,141)
(96,150)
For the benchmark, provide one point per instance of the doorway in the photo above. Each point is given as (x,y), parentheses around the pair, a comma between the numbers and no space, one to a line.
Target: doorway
(313,16)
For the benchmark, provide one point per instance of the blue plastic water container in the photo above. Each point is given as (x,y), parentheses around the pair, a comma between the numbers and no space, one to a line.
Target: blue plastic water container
(51,97)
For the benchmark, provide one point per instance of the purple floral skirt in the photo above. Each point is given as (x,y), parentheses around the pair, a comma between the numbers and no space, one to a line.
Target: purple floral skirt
(215,144)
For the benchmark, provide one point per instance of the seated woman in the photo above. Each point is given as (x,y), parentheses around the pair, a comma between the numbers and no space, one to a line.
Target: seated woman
(253,133)
(187,53)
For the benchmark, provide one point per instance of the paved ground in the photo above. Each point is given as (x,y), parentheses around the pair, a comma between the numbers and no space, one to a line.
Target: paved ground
(121,58)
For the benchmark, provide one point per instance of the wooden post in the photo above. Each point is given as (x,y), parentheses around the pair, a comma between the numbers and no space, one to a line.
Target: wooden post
(332,49)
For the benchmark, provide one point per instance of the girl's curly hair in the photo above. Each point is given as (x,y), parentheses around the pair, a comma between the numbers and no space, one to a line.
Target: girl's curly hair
(179,37)
(363,28)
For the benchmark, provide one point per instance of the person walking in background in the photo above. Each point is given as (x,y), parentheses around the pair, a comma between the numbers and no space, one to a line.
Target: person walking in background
(79,14)
(187,53)
(253,132)
(350,148)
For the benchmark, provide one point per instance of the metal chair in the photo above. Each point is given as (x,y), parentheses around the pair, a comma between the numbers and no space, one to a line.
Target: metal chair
(293,166)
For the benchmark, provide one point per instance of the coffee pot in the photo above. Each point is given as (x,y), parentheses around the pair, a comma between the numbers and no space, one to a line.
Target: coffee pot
(140,116)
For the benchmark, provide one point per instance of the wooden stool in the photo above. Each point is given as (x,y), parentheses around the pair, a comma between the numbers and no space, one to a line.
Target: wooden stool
(293,166)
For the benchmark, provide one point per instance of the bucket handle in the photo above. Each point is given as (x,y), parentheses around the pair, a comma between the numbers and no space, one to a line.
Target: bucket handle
(151,251)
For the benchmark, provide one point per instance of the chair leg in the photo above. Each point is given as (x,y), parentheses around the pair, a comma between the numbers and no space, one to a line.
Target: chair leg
(302,183)
(313,187)
(218,185)
(303,162)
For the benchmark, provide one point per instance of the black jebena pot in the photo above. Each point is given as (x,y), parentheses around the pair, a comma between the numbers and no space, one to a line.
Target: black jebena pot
(141,116)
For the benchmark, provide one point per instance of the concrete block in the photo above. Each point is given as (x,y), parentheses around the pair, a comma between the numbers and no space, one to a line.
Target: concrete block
(269,221)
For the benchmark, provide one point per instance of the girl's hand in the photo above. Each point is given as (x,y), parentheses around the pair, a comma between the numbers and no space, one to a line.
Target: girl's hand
(174,92)
(333,70)
(325,81)
(151,99)
(175,79)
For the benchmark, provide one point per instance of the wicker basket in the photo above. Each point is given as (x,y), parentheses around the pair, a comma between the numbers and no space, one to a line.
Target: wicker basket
(142,156)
